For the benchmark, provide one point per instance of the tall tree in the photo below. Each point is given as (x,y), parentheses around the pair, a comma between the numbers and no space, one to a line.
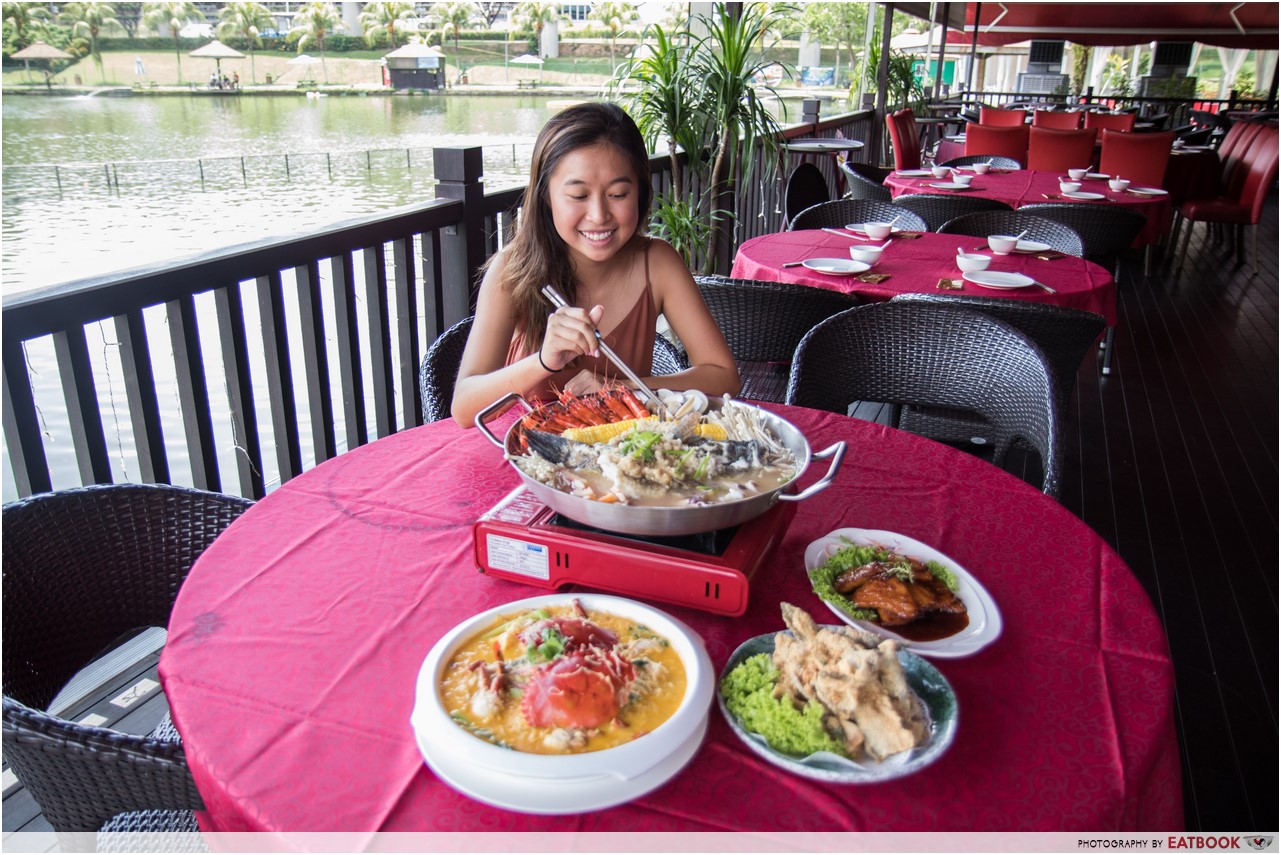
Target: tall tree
(21,16)
(312,24)
(617,17)
(840,24)
(245,20)
(130,16)
(89,19)
(490,12)
(538,14)
(455,16)
(174,16)
(381,16)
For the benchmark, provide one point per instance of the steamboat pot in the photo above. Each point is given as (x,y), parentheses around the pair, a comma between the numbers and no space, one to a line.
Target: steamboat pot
(674,520)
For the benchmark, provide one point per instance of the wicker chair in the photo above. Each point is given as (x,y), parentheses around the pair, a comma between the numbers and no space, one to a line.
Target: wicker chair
(937,209)
(439,371)
(865,181)
(995,160)
(1105,231)
(83,568)
(668,358)
(934,356)
(841,212)
(985,223)
(763,322)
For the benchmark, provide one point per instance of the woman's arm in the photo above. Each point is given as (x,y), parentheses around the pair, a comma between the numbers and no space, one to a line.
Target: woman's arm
(712,367)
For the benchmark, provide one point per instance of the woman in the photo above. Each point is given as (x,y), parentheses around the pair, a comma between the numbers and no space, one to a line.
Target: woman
(582,230)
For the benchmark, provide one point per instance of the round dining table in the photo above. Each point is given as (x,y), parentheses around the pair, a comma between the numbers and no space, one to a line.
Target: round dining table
(296,641)
(916,264)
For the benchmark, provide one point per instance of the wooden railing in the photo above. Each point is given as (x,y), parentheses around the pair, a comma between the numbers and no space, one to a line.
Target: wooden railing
(305,346)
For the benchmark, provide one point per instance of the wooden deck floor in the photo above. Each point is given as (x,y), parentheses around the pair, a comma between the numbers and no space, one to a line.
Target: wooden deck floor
(1173,460)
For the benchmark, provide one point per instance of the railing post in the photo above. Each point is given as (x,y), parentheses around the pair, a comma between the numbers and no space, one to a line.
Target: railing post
(458,173)
(810,108)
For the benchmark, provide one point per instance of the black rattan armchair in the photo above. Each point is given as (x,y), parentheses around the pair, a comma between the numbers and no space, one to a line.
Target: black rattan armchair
(668,358)
(842,212)
(985,223)
(439,371)
(82,569)
(997,161)
(763,322)
(907,354)
(1105,231)
(937,209)
(865,181)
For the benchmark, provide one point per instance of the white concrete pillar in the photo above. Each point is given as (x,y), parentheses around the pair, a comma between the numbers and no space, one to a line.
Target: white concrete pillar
(810,52)
(351,18)
(549,45)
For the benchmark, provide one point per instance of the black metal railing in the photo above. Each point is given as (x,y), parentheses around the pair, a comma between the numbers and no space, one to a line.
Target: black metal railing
(295,348)
(1180,110)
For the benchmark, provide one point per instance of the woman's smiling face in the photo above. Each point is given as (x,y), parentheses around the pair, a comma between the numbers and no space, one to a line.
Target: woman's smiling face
(592,196)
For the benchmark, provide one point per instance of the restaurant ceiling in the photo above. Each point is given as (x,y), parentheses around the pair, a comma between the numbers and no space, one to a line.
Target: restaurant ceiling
(1231,25)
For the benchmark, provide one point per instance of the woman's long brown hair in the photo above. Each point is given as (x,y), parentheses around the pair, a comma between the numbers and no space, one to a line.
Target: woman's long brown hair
(537,255)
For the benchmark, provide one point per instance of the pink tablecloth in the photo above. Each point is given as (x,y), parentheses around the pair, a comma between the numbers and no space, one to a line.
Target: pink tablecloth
(917,265)
(1020,187)
(296,641)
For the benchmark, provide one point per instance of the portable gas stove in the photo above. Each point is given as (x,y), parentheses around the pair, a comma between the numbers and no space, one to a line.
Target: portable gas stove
(523,540)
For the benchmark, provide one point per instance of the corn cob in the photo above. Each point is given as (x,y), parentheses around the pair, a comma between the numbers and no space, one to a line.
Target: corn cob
(711,431)
(604,433)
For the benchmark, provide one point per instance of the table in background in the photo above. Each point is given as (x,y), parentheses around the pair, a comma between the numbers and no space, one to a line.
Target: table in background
(296,642)
(1019,187)
(916,265)
(807,146)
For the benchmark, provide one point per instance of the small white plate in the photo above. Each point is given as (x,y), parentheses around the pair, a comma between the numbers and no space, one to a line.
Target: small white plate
(857,228)
(985,619)
(951,185)
(1192,148)
(1148,191)
(998,279)
(836,266)
(1084,197)
(955,138)
(913,173)
(1031,246)
(1098,175)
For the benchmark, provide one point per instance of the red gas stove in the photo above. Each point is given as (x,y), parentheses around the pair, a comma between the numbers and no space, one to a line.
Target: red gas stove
(523,540)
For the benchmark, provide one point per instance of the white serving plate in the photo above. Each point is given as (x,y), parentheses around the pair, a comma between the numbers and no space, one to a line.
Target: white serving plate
(1081,196)
(925,680)
(1097,175)
(836,266)
(1031,246)
(998,279)
(1148,191)
(913,173)
(858,229)
(950,185)
(985,618)
(572,783)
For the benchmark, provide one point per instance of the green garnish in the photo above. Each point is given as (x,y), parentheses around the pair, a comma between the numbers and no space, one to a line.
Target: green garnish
(748,691)
(640,444)
(852,555)
(549,644)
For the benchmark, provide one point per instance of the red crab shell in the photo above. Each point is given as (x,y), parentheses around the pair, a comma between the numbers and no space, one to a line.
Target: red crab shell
(579,633)
(583,689)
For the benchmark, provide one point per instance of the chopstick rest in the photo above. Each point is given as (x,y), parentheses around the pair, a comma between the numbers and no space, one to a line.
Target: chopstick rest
(950,285)
(794,264)
(1050,255)
(907,235)
(872,278)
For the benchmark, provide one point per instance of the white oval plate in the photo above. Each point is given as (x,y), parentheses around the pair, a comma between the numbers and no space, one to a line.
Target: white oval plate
(998,279)
(951,185)
(1097,175)
(1084,197)
(913,173)
(836,266)
(1149,191)
(857,228)
(1031,246)
(985,619)
(924,679)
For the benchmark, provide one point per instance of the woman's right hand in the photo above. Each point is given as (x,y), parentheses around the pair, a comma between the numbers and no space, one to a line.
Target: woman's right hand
(571,332)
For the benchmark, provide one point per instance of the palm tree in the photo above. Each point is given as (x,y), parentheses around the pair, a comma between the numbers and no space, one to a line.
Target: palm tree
(538,14)
(21,16)
(89,19)
(616,16)
(244,20)
(383,15)
(175,16)
(312,23)
(455,15)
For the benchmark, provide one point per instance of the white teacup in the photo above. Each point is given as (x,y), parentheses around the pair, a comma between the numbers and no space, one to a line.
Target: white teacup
(878,231)
(1077,174)
(972,261)
(940,171)
(962,178)
(981,168)
(1069,186)
(866,254)
(1119,184)
(1002,244)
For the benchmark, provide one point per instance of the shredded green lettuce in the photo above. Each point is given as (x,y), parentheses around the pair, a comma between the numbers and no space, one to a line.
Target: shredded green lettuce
(748,691)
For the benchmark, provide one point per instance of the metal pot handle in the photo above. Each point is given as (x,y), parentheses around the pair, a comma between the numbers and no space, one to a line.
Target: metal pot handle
(501,403)
(837,453)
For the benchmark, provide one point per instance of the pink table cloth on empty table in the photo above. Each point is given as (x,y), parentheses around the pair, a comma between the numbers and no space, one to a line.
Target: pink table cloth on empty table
(916,266)
(297,639)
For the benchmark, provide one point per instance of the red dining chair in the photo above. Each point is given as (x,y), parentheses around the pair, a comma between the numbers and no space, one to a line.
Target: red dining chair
(1056,119)
(1235,143)
(905,139)
(1239,207)
(1058,151)
(1000,118)
(1109,121)
(1008,142)
(1142,158)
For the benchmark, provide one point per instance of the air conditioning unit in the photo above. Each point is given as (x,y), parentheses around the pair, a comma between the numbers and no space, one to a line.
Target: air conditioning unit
(1042,84)
(1045,58)
(1171,59)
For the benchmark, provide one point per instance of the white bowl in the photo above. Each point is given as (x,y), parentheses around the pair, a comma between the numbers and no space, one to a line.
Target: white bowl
(981,168)
(878,231)
(962,178)
(1077,174)
(940,171)
(1002,244)
(972,262)
(1119,184)
(446,746)
(1069,186)
(866,254)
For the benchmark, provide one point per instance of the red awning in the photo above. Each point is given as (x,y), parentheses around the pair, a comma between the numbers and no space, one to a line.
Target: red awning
(1231,25)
